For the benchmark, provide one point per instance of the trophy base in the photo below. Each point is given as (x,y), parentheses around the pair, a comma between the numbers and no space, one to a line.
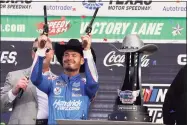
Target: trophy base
(130,113)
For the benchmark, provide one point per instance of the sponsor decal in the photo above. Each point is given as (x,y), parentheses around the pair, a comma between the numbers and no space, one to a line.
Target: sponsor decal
(127,96)
(114,59)
(52,77)
(156,113)
(60,83)
(15,4)
(64,105)
(76,95)
(154,96)
(9,56)
(129,5)
(182,59)
(55,26)
(57,90)
(76,89)
(154,93)
(76,92)
(92,4)
(76,84)
(174,8)
(18,28)
(61,8)
(84,80)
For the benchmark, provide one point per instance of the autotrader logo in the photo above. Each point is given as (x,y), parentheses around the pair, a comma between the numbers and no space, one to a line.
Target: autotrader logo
(92,4)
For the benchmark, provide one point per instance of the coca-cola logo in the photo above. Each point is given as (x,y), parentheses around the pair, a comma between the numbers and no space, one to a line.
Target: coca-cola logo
(113,59)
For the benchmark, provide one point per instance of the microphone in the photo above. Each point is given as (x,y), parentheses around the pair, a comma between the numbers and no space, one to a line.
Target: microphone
(21,90)
(20,93)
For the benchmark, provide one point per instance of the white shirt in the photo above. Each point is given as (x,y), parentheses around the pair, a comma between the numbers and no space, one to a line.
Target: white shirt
(42,99)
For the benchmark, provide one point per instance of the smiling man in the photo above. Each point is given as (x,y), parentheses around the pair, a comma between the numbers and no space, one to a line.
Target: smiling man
(69,94)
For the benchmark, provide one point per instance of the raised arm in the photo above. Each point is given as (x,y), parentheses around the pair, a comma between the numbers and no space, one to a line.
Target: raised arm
(90,67)
(91,74)
(40,81)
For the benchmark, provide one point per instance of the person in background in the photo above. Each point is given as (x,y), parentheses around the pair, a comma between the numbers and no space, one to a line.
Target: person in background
(32,107)
(175,104)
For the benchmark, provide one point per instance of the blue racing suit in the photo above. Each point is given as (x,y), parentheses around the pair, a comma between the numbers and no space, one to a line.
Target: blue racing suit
(68,97)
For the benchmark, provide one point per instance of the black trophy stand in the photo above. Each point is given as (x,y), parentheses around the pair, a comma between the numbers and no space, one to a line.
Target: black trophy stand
(132,81)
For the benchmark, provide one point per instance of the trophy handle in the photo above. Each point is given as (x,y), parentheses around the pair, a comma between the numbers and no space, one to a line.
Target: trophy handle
(138,78)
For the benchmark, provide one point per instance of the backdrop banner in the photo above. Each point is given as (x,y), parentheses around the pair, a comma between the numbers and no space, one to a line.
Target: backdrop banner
(158,70)
(104,29)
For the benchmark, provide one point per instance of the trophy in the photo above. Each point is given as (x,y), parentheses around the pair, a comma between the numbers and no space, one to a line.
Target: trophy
(129,104)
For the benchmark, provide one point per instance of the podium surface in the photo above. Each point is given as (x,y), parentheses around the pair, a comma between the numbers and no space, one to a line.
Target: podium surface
(101,122)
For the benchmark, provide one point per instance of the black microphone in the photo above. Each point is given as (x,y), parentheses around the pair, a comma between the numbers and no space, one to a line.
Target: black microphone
(20,93)
(21,90)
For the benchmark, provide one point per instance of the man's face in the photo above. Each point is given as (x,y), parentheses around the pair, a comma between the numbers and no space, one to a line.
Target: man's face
(72,60)
(49,52)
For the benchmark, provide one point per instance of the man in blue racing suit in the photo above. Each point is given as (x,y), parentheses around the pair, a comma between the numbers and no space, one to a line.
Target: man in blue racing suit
(69,95)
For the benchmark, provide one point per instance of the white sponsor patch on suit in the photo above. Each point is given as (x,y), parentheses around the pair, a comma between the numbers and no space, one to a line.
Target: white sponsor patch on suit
(57,90)
(76,95)
(60,83)
(70,105)
(76,89)
(76,84)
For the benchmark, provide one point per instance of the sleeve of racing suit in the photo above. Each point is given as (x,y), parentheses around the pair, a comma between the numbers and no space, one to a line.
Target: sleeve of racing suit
(40,81)
(91,74)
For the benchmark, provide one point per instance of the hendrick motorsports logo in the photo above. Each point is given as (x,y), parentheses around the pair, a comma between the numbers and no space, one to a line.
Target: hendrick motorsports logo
(64,105)
(92,4)
(129,5)
(15,4)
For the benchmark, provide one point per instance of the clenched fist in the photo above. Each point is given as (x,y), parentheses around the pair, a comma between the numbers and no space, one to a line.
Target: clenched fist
(22,83)
(43,40)
(86,41)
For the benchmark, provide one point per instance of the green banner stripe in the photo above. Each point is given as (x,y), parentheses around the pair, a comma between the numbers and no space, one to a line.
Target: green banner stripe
(103,27)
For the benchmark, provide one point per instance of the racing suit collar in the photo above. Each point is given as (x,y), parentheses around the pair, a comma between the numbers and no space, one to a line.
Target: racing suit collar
(72,78)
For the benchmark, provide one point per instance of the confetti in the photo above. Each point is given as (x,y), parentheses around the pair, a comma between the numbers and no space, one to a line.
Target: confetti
(73,9)
(151,87)
(62,18)
(105,39)
(83,16)
(171,21)
(155,62)
(177,1)
(15,63)
(62,43)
